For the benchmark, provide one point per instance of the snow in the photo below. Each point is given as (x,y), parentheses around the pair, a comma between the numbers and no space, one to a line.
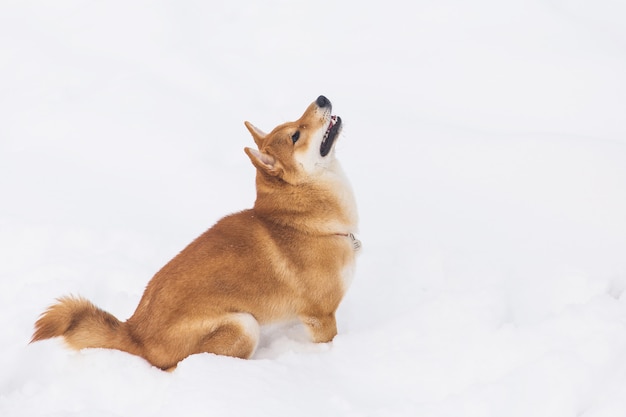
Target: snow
(485,142)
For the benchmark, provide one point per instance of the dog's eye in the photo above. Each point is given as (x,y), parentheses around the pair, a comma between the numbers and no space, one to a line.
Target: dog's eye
(295,136)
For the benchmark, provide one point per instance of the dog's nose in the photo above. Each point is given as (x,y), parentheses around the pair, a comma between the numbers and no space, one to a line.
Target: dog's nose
(322,102)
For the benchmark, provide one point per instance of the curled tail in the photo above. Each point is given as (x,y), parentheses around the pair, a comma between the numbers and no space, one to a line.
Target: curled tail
(83,325)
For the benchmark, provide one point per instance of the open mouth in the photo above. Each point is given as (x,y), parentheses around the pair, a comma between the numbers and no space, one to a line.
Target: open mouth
(331,134)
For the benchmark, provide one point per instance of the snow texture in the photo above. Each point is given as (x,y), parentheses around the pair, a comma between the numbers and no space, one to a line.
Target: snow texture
(486,143)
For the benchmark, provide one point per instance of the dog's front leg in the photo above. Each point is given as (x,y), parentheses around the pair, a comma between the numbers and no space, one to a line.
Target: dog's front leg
(322,327)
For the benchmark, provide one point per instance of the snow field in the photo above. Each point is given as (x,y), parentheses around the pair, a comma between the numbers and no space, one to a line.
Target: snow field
(486,146)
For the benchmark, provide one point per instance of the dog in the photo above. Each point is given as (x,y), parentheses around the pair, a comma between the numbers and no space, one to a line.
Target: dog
(291,256)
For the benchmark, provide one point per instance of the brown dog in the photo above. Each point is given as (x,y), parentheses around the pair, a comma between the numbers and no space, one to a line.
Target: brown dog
(291,256)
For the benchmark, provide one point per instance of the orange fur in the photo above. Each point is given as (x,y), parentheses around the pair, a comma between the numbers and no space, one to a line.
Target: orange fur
(285,258)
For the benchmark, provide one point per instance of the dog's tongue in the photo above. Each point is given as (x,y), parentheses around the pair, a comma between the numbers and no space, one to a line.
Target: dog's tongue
(329,136)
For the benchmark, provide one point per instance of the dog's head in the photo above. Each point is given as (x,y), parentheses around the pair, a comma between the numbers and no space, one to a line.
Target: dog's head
(295,151)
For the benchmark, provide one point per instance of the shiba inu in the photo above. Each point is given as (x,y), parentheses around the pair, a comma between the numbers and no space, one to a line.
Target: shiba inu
(291,256)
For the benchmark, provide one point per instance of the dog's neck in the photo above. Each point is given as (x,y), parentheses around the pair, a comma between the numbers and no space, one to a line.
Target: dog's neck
(325,206)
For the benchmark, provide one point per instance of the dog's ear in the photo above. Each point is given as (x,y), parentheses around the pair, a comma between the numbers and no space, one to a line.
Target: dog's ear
(263,161)
(257,134)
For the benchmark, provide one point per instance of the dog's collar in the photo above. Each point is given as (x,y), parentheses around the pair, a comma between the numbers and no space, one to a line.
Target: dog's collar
(356,243)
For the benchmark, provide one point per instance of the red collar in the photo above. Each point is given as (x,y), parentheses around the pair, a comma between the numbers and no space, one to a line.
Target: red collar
(356,243)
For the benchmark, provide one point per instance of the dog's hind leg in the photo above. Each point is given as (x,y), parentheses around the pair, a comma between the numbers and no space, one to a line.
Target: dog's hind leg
(237,335)
(232,334)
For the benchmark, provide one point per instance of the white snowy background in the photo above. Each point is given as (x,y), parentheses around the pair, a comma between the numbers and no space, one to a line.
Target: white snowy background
(486,143)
